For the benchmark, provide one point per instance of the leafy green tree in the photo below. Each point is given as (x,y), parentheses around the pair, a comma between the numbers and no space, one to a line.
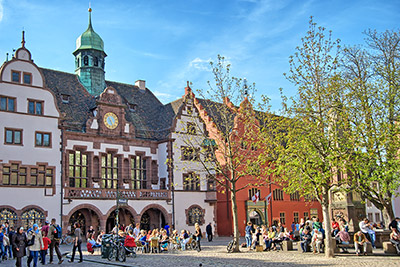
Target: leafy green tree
(373,84)
(308,142)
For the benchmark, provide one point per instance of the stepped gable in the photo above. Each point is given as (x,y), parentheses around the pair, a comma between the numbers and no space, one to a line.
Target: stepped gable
(149,117)
(77,111)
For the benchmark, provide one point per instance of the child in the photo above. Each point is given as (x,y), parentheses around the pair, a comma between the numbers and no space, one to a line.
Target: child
(43,250)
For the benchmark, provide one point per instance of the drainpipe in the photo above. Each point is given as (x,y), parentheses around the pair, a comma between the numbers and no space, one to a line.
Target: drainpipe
(62,180)
(172,185)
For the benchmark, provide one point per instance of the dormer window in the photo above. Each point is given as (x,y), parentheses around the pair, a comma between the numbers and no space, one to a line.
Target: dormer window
(85,60)
(27,78)
(132,107)
(96,61)
(65,98)
(16,76)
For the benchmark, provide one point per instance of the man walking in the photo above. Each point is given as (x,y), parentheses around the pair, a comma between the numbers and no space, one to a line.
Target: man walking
(209,232)
(54,236)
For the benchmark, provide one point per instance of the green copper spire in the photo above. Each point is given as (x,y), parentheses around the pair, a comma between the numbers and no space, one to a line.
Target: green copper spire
(90,39)
(90,60)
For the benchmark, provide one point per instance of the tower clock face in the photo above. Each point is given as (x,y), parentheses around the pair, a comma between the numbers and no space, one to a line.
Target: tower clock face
(111,120)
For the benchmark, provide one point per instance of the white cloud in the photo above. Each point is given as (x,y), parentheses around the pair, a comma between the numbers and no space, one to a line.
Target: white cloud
(200,64)
(1,10)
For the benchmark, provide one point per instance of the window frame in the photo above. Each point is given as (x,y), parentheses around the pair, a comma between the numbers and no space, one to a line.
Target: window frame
(193,154)
(13,130)
(105,179)
(8,98)
(282,218)
(191,128)
(191,182)
(42,138)
(30,79)
(35,102)
(19,76)
(278,194)
(78,166)
(142,170)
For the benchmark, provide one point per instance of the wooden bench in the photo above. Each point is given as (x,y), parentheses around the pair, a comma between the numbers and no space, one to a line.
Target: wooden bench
(389,248)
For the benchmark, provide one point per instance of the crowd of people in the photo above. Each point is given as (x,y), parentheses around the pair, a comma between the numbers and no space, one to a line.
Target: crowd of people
(33,242)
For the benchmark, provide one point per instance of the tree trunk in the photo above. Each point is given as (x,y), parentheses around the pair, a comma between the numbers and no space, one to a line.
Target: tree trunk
(236,234)
(387,214)
(329,249)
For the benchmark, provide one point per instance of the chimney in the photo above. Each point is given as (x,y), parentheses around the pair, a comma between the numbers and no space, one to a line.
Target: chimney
(141,84)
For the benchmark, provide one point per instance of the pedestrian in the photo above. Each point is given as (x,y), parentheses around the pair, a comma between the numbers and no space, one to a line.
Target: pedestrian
(136,231)
(54,235)
(209,232)
(43,250)
(2,252)
(45,228)
(18,242)
(198,236)
(34,249)
(77,243)
(166,227)
(249,234)
(90,232)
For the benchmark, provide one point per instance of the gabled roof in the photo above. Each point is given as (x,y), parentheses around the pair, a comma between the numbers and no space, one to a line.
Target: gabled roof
(151,119)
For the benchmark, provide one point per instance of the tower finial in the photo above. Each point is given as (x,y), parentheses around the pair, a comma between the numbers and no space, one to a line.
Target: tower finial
(23,38)
(90,17)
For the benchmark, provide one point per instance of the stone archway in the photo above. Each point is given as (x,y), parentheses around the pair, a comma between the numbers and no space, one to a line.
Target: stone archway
(153,216)
(126,216)
(86,215)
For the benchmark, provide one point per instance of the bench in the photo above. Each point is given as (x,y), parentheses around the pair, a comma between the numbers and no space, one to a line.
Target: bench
(369,247)
(287,245)
(308,248)
(389,248)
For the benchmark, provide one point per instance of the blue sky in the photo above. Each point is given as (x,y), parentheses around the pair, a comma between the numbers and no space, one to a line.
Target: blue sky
(167,42)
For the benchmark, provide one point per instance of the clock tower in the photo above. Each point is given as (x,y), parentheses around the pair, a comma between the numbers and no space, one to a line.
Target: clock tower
(90,60)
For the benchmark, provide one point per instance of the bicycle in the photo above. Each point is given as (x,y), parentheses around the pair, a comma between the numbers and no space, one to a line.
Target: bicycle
(231,245)
(117,250)
(66,239)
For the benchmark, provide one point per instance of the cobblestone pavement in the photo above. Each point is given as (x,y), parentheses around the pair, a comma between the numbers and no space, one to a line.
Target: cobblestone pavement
(214,254)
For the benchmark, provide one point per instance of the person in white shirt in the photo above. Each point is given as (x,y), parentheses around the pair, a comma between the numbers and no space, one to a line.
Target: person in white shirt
(136,231)
(368,231)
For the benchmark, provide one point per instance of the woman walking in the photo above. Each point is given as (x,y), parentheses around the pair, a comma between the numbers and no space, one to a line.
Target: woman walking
(18,242)
(77,243)
(198,236)
(36,235)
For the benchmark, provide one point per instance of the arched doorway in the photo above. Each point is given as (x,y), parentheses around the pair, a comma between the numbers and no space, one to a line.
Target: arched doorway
(151,219)
(85,217)
(8,215)
(125,218)
(255,217)
(32,216)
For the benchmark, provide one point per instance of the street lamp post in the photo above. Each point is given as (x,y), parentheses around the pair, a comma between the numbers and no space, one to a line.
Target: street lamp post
(117,210)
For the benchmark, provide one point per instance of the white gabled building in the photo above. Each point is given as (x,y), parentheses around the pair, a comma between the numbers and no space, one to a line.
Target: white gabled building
(30,143)
(194,193)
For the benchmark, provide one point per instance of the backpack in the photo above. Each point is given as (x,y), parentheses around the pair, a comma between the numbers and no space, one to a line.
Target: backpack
(58,233)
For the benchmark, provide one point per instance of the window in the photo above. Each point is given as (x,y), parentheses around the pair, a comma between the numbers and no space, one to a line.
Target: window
(109,171)
(295,217)
(191,128)
(252,192)
(42,176)
(35,107)
(31,217)
(278,194)
(189,110)
(85,60)
(370,217)
(8,215)
(138,172)
(314,213)
(96,61)
(132,107)
(13,136)
(377,217)
(306,215)
(77,169)
(14,175)
(16,76)
(211,183)
(189,153)
(191,182)
(163,183)
(282,218)
(42,139)
(27,78)
(65,98)
(7,103)
(295,196)
(195,214)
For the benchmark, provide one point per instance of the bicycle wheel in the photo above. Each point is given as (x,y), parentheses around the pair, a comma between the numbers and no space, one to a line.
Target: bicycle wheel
(193,245)
(121,254)
(230,245)
(112,254)
(68,240)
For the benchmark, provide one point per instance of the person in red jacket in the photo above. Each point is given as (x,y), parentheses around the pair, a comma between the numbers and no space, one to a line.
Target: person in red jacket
(43,250)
